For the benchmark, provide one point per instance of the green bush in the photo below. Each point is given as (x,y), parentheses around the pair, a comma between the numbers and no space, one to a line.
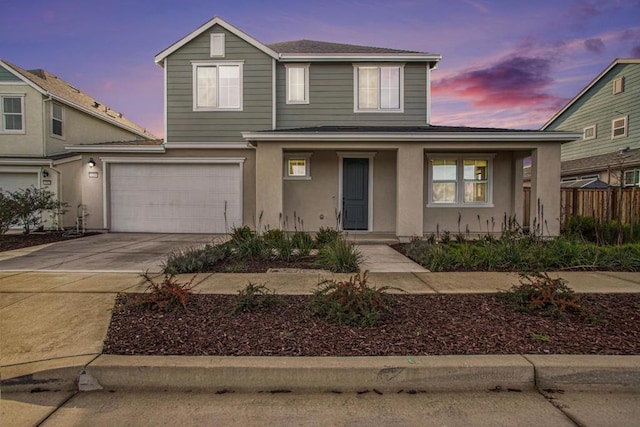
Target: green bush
(542,295)
(303,242)
(601,232)
(30,203)
(351,302)
(8,215)
(327,235)
(245,244)
(339,256)
(254,297)
(194,260)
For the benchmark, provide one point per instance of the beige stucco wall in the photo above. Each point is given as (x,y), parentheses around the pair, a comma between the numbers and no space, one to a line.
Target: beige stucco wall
(319,196)
(29,143)
(70,189)
(446,218)
(92,188)
(82,128)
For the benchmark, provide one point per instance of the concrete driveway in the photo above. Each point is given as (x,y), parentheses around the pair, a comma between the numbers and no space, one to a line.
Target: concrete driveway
(109,252)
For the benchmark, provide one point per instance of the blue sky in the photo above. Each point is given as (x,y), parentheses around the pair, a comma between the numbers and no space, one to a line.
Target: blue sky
(505,63)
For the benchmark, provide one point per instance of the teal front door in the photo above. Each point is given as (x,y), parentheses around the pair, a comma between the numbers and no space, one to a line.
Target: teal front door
(355,194)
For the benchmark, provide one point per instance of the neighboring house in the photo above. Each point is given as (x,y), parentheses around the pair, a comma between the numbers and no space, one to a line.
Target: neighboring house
(40,114)
(607,113)
(323,134)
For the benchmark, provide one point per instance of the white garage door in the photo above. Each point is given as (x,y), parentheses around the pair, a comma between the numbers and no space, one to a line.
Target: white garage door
(12,181)
(175,198)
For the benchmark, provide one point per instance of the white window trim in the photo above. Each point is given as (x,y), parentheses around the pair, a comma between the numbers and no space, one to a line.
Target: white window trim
(634,175)
(584,132)
(356,85)
(625,127)
(306,83)
(211,44)
(194,83)
(297,156)
(460,180)
(618,82)
(23,113)
(53,135)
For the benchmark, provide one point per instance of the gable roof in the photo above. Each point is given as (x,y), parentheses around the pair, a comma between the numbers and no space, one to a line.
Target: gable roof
(159,58)
(590,85)
(308,50)
(614,160)
(51,85)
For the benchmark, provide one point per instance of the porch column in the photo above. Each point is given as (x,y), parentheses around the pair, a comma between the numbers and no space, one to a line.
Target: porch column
(268,185)
(545,189)
(517,199)
(409,191)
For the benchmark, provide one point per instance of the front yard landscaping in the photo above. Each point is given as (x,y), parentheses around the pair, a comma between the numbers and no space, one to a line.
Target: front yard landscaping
(9,242)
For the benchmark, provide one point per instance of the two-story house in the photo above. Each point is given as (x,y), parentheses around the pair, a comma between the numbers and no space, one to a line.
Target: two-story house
(40,114)
(329,134)
(607,113)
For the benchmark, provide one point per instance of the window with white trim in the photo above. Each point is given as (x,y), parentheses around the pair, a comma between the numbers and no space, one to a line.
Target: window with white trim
(378,88)
(297,83)
(12,110)
(631,177)
(589,132)
(216,47)
(57,120)
(460,180)
(217,86)
(297,166)
(618,85)
(619,127)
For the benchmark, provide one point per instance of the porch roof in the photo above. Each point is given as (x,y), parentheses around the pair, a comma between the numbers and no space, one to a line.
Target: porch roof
(408,133)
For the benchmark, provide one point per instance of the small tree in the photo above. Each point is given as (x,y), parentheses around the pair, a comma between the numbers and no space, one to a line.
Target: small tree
(8,215)
(30,203)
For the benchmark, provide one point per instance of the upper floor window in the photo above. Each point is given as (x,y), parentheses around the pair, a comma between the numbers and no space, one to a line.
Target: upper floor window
(618,85)
(57,120)
(619,127)
(217,45)
(217,86)
(460,180)
(297,83)
(378,88)
(12,110)
(589,132)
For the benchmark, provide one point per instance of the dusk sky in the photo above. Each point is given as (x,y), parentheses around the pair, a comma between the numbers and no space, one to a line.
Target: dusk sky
(505,63)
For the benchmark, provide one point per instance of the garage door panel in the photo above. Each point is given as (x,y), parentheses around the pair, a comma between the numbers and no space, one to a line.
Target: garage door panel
(12,181)
(176,198)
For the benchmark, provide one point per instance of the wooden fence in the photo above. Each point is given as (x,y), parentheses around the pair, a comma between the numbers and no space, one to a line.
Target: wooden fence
(603,203)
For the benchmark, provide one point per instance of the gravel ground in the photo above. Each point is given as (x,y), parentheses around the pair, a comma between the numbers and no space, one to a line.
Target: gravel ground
(419,325)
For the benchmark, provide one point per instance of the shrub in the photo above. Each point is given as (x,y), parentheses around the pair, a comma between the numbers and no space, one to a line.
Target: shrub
(274,237)
(340,256)
(351,302)
(540,294)
(245,244)
(7,213)
(194,260)
(29,203)
(303,242)
(168,293)
(254,297)
(326,236)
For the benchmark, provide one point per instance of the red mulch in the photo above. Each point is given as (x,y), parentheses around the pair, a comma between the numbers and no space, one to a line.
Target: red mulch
(419,325)
(9,242)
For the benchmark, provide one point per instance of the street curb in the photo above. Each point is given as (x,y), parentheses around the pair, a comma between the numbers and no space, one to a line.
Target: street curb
(393,374)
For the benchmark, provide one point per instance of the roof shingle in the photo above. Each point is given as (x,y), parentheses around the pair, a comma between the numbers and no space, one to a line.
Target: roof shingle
(320,47)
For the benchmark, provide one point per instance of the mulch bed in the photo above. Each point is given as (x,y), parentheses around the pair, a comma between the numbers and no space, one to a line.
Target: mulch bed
(419,325)
(9,242)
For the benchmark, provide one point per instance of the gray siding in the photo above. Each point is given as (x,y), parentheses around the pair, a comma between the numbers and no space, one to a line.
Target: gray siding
(6,76)
(599,106)
(331,98)
(186,125)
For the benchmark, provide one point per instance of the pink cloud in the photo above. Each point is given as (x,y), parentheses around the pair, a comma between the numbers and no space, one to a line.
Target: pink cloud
(512,82)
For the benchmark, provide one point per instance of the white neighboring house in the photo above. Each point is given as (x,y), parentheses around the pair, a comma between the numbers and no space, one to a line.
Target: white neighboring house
(39,115)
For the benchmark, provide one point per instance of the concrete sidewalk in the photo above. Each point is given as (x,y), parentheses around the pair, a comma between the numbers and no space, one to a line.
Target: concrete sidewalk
(53,325)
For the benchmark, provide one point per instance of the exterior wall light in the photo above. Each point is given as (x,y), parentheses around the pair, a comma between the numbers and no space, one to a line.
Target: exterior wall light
(45,174)
(91,163)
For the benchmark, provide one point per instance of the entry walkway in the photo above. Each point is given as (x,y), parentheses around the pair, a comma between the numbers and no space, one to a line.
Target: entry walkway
(384,259)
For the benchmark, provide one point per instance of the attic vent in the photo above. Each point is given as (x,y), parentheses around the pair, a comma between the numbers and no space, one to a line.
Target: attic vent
(96,104)
(618,85)
(217,45)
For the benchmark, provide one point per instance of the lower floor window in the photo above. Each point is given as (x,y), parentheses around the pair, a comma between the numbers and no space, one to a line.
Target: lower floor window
(459,180)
